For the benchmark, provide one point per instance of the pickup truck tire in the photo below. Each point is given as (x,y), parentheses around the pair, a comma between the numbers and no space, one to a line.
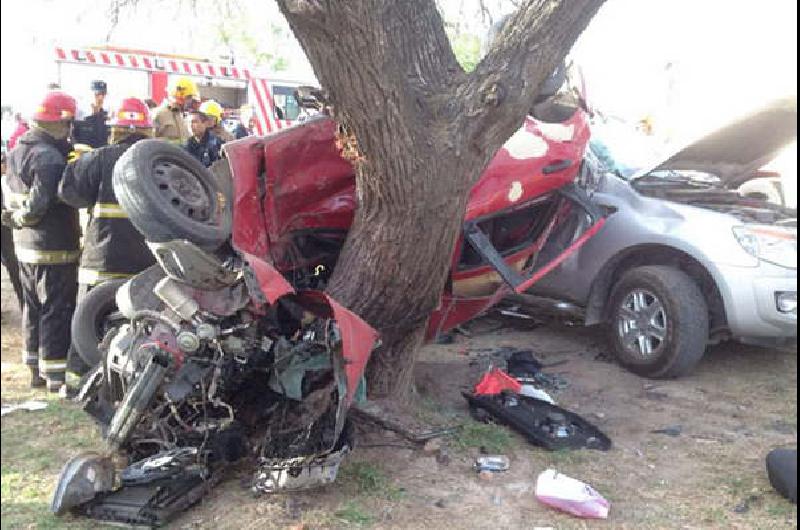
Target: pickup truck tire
(169,195)
(89,320)
(658,322)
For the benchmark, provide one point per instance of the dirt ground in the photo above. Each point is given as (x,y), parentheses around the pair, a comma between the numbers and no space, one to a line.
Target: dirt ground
(740,403)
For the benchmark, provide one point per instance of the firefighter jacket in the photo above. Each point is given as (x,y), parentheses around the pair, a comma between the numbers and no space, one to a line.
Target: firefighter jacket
(47,231)
(92,130)
(112,247)
(170,124)
(207,150)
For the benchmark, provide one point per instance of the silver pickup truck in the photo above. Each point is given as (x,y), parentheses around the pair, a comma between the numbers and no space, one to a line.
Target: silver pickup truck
(685,258)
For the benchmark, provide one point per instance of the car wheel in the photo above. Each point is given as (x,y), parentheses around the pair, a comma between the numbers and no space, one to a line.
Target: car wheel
(659,322)
(94,315)
(169,195)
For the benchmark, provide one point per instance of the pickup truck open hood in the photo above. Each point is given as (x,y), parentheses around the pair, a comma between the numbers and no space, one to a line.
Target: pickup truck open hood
(739,148)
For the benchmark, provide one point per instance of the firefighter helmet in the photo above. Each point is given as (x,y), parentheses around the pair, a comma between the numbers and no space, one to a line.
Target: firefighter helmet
(56,106)
(212,108)
(133,113)
(184,87)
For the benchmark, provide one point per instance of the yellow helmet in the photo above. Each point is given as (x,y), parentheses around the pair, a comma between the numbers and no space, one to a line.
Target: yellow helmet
(184,87)
(212,108)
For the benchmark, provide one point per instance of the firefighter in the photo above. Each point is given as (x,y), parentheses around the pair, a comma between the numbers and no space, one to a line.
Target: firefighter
(92,130)
(204,145)
(213,112)
(170,120)
(112,247)
(9,259)
(46,238)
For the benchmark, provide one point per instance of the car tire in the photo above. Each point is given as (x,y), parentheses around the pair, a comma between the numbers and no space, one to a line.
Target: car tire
(89,320)
(170,195)
(658,301)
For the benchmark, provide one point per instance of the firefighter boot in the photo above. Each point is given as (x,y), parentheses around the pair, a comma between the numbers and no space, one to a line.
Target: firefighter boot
(54,382)
(37,381)
(71,387)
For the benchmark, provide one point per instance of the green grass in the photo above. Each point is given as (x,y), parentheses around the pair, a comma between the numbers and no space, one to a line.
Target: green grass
(369,479)
(352,512)
(564,457)
(494,438)
(35,446)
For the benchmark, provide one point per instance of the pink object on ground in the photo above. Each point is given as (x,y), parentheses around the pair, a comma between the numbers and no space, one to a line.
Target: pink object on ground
(570,495)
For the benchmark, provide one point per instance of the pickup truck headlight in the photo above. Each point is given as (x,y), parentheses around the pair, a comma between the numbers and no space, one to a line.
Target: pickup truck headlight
(777,245)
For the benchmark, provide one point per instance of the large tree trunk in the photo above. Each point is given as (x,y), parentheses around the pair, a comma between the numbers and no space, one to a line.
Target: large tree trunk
(426,131)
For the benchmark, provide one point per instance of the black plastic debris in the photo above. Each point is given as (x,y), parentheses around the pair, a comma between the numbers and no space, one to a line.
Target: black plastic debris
(522,364)
(541,423)
(151,505)
(782,472)
(525,368)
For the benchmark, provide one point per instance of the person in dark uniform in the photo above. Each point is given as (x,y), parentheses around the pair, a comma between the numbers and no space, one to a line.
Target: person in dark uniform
(46,238)
(112,247)
(204,145)
(93,130)
(9,259)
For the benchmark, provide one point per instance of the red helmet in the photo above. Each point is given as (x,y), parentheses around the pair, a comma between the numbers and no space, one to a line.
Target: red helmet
(56,106)
(132,112)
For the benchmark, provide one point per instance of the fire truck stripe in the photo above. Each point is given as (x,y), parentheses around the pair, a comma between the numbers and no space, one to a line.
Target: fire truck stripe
(91,57)
(252,86)
(235,72)
(75,55)
(187,68)
(60,53)
(173,65)
(211,70)
(119,59)
(271,103)
(105,58)
(262,123)
(133,61)
(147,63)
(199,68)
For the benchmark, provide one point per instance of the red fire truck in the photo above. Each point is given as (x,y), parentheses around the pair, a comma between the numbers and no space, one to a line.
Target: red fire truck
(146,74)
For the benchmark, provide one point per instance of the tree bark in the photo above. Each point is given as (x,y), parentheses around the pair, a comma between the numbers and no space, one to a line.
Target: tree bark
(426,131)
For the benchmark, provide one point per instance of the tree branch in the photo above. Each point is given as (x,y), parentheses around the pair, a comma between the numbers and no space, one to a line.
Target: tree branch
(501,89)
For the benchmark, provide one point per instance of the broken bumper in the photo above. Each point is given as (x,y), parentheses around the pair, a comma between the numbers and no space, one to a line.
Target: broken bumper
(750,297)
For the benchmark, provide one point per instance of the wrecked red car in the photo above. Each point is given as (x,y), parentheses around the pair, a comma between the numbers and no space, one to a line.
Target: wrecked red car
(229,349)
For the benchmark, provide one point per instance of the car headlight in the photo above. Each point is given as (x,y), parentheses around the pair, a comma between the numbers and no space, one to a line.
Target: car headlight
(775,244)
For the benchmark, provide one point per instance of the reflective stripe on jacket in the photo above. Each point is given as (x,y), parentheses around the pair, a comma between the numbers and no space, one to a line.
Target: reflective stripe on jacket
(94,277)
(112,247)
(108,210)
(46,257)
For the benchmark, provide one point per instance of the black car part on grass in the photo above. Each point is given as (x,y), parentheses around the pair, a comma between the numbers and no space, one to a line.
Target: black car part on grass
(782,472)
(150,505)
(543,424)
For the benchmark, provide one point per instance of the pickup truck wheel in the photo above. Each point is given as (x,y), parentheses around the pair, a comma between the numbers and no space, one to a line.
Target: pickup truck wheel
(93,317)
(659,322)
(169,195)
